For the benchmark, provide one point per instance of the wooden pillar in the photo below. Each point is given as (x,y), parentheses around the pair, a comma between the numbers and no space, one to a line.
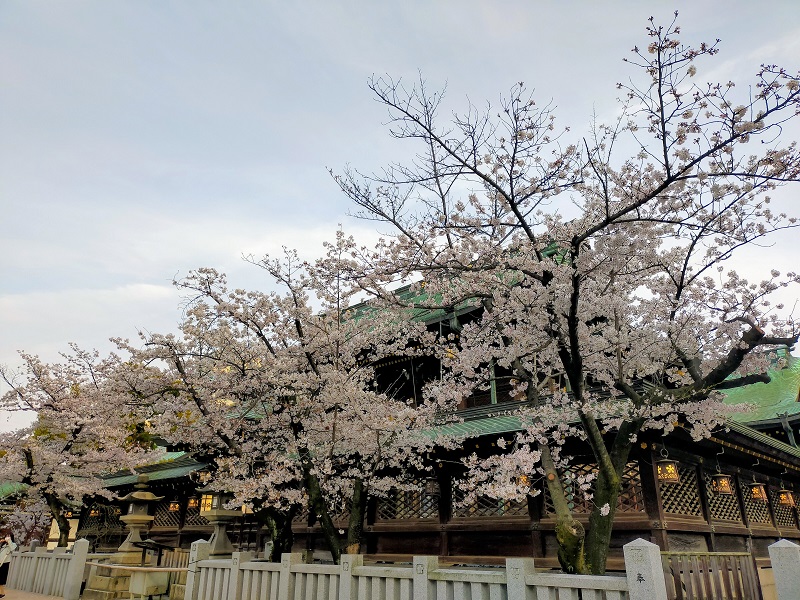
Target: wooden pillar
(705,507)
(445,480)
(652,497)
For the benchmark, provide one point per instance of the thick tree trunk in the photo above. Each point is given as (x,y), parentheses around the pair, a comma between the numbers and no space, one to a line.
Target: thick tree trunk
(316,501)
(570,534)
(606,492)
(598,539)
(358,506)
(56,510)
(279,525)
(318,505)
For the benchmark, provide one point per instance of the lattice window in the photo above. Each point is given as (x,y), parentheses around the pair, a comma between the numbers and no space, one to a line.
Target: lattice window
(486,507)
(722,507)
(413,504)
(193,518)
(301,518)
(682,498)
(757,512)
(164,517)
(631,498)
(340,514)
(784,515)
(101,519)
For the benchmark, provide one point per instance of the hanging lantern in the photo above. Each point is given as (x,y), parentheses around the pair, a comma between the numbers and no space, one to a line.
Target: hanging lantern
(667,469)
(193,502)
(758,493)
(432,488)
(174,505)
(94,512)
(785,497)
(722,485)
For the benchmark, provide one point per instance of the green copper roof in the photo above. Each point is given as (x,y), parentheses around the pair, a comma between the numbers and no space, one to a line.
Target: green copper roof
(769,400)
(478,427)
(9,488)
(174,468)
(763,438)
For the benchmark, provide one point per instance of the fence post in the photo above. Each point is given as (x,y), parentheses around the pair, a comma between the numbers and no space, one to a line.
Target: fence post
(237,575)
(517,569)
(644,571)
(50,571)
(72,587)
(424,588)
(286,581)
(347,579)
(14,569)
(39,558)
(200,551)
(785,558)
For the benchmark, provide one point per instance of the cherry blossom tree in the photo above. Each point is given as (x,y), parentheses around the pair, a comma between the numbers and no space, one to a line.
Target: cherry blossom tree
(600,265)
(28,521)
(278,390)
(83,430)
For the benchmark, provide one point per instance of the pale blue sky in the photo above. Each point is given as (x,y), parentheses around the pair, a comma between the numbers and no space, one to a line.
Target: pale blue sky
(140,139)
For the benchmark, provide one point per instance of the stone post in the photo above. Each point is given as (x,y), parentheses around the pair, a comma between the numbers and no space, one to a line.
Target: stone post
(424,588)
(237,576)
(220,543)
(349,562)
(517,569)
(72,587)
(50,569)
(198,552)
(286,581)
(644,571)
(785,558)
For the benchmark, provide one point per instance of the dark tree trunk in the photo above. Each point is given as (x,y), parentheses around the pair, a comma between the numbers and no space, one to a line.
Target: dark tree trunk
(570,534)
(279,525)
(56,509)
(358,507)
(598,538)
(319,506)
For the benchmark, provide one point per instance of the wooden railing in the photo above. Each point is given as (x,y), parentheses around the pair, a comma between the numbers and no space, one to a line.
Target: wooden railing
(711,576)
(176,559)
(242,578)
(58,572)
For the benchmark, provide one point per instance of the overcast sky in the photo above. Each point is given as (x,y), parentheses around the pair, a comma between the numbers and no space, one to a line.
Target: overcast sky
(141,139)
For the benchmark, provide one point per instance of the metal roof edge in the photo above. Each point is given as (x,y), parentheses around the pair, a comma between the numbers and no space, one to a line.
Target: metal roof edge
(756,435)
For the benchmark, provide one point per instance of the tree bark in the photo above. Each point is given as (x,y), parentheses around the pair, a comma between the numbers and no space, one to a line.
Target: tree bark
(279,525)
(358,507)
(58,516)
(606,491)
(570,534)
(318,505)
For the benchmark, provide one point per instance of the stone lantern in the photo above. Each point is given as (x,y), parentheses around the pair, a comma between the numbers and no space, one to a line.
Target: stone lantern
(212,509)
(137,519)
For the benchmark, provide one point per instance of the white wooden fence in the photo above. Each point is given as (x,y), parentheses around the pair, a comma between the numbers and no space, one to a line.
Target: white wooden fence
(243,578)
(59,572)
